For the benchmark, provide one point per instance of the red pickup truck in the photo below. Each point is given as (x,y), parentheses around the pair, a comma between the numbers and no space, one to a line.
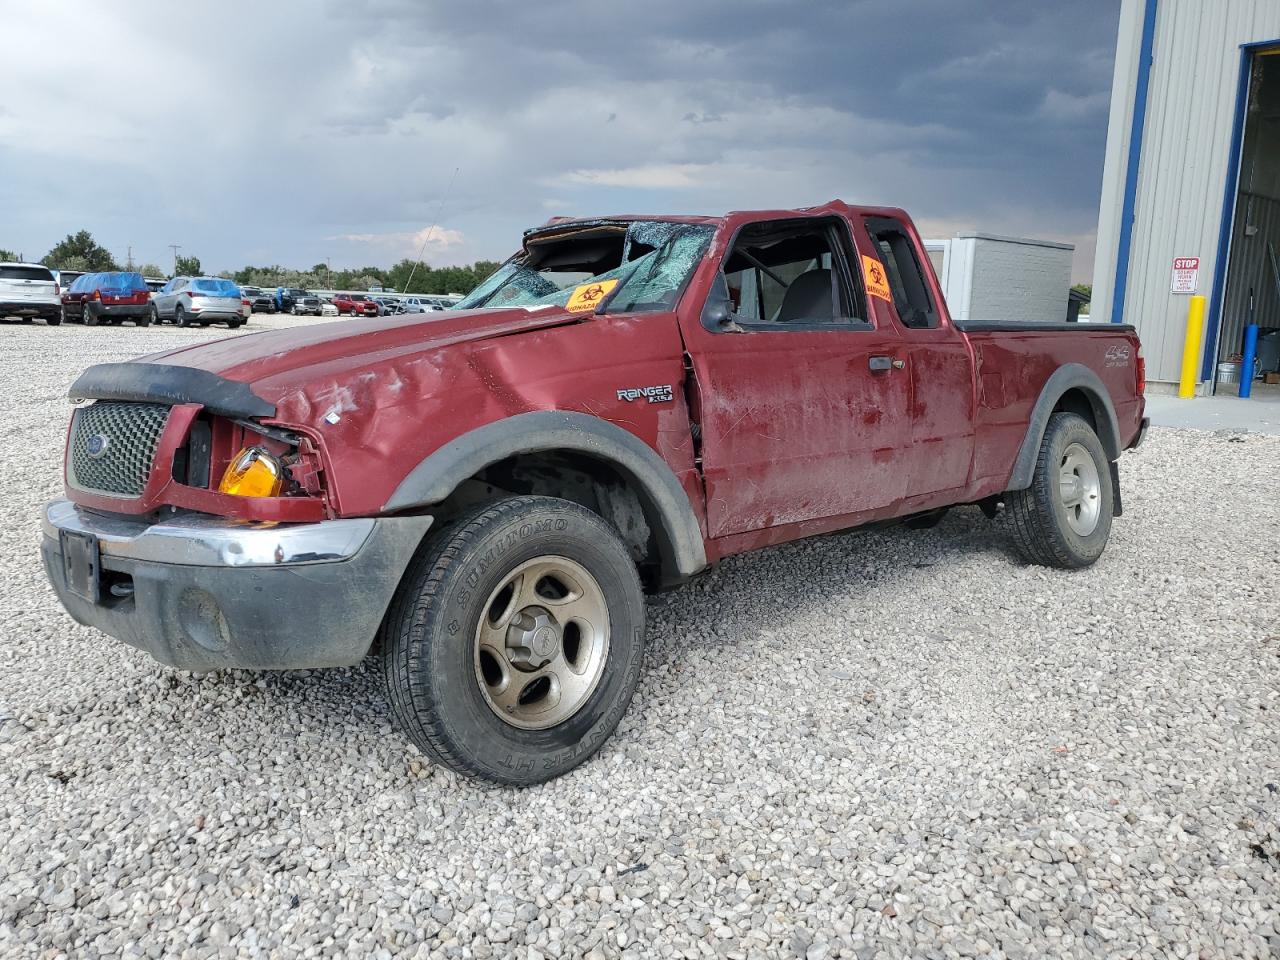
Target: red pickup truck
(481,498)
(355,304)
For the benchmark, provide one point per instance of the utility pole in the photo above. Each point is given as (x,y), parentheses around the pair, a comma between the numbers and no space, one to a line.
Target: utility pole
(175,247)
(328,269)
(129,259)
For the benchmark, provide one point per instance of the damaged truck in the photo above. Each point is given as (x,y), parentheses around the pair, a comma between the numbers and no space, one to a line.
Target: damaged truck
(481,499)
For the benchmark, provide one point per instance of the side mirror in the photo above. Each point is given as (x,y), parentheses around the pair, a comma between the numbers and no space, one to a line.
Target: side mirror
(718,313)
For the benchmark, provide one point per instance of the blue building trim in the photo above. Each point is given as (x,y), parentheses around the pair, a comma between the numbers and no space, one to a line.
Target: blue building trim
(1213,321)
(1135,158)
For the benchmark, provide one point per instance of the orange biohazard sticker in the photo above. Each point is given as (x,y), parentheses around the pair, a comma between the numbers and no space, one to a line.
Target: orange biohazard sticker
(877,282)
(589,295)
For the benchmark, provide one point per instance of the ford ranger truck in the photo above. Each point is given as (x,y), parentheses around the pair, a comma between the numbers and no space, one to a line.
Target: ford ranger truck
(481,498)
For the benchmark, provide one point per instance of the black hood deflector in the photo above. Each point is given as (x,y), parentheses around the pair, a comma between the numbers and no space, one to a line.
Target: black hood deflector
(166,383)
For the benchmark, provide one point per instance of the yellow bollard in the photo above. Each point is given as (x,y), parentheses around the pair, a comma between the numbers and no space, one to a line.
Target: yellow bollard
(1191,348)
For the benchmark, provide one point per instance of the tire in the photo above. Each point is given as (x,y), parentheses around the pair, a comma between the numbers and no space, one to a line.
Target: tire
(473,706)
(180,316)
(1064,518)
(142,321)
(90,318)
(53,321)
(235,324)
(155,316)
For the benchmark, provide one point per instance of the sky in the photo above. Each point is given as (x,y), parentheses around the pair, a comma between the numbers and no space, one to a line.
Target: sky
(360,131)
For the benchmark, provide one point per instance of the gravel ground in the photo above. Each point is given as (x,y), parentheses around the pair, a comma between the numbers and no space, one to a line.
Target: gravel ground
(883,743)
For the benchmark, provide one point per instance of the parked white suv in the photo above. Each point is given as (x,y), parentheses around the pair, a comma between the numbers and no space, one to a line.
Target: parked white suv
(29,290)
(188,301)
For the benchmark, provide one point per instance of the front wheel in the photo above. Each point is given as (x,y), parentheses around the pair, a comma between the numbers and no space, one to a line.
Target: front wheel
(1064,518)
(516,640)
(180,316)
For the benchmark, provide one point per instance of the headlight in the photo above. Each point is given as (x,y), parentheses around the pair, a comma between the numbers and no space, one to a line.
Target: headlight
(253,473)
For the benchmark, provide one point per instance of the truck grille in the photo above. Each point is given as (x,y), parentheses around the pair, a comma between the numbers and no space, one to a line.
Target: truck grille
(113,444)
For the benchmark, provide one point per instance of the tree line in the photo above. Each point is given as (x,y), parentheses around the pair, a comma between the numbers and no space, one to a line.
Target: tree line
(79,251)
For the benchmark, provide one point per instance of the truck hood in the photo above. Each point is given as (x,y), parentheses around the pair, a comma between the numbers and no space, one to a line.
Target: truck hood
(279,364)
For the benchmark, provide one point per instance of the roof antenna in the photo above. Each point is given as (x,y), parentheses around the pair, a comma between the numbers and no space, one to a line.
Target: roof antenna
(430,230)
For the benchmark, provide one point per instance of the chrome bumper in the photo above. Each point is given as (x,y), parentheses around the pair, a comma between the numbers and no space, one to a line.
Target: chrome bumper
(201,593)
(202,541)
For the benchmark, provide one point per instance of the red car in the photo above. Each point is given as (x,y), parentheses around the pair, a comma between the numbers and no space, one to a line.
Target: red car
(113,297)
(355,304)
(481,497)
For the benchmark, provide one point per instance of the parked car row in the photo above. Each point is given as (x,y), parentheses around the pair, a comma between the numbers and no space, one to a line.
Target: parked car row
(32,290)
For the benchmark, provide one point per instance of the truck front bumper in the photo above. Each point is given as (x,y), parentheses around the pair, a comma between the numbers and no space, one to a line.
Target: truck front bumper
(202,593)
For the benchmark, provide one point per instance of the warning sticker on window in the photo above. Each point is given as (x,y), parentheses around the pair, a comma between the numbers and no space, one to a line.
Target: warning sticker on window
(589,295)
(873,274)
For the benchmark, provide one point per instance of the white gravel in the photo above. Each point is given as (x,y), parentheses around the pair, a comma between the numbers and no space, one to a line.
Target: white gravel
(876,744)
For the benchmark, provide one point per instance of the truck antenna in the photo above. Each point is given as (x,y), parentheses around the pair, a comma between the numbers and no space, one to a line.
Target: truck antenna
(430,230)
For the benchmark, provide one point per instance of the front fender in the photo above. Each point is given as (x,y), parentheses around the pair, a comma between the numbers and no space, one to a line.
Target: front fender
(436,477)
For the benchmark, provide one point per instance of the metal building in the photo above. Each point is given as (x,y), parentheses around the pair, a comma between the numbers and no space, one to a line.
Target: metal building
(1192,174)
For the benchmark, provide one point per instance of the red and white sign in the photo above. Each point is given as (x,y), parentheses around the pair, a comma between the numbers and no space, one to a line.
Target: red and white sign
(1186,275)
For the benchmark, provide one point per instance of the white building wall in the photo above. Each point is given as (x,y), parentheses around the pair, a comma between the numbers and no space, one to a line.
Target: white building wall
(1019,279)
(986,277)
(1184,164)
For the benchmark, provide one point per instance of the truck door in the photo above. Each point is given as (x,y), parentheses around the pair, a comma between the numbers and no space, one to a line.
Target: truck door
(938,360)
(804,405)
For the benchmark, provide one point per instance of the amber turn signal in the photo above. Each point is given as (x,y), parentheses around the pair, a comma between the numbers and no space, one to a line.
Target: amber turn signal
(253,473)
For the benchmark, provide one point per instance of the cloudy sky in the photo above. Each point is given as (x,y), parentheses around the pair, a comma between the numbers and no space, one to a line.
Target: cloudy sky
(286,132)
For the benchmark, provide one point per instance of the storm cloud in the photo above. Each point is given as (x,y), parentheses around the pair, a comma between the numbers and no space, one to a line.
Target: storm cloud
(252,133)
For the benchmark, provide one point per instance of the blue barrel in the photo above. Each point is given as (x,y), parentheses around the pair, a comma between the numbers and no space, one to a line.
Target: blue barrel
(1247,362)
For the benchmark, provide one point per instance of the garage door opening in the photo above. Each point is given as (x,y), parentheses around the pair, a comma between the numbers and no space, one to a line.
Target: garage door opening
(1252,293)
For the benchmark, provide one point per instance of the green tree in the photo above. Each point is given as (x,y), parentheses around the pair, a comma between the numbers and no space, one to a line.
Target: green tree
(80,251)
(7,255)
(1085,288)
(187,266)
(151,270)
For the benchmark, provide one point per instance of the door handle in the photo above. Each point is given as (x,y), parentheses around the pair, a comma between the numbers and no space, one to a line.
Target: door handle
(880,364)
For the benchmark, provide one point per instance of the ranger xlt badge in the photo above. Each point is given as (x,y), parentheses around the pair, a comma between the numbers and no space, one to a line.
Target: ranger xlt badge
(660,394)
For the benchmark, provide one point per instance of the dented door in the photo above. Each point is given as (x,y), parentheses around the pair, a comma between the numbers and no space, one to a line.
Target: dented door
(797,426)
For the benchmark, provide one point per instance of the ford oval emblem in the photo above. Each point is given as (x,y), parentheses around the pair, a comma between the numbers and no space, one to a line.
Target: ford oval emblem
(97,446)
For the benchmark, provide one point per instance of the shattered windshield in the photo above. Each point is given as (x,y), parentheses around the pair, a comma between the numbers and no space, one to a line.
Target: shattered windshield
(641,265)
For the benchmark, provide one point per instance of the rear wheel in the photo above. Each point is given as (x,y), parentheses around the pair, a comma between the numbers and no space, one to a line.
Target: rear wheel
(1064,518)
(515,641)
(235,324)
(55,318)
(143,321)
(90,318)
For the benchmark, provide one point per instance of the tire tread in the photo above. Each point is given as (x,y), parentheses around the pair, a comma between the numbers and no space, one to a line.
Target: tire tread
(424,581)
(1029,513)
